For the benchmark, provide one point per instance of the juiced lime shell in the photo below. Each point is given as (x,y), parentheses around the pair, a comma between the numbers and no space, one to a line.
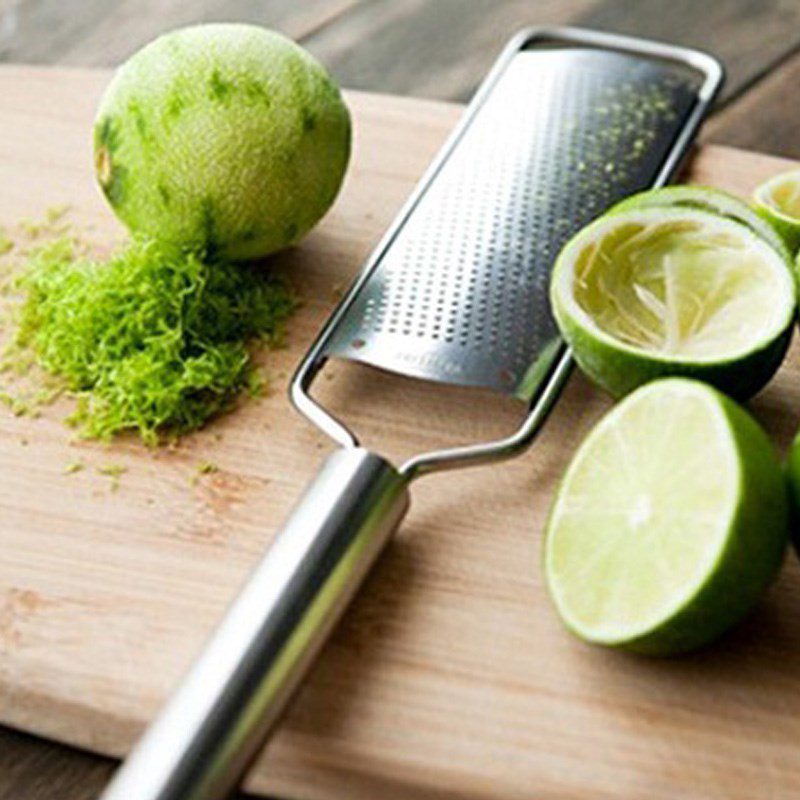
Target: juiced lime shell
(654,291)
(226,138)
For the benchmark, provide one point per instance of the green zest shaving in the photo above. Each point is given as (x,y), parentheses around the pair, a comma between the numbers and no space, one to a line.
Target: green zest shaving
(202,469)
(6,244)
(153,340)
(113,471)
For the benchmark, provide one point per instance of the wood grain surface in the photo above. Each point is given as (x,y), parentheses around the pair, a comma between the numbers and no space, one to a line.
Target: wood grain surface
(437,47)
(99,32)
(442,48)
(763,118)
(451,676)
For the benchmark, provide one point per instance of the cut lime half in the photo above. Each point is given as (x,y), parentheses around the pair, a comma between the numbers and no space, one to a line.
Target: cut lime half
(707,198)
(670,521)
(657,291)
(778,201)
(793,479)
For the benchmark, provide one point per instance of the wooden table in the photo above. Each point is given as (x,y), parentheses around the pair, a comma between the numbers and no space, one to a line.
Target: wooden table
(433,48)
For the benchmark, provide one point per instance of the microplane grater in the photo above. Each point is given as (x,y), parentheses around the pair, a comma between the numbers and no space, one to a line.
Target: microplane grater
(567,123)
(460,293)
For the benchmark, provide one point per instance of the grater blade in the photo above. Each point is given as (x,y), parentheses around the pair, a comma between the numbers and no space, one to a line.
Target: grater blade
(459,292)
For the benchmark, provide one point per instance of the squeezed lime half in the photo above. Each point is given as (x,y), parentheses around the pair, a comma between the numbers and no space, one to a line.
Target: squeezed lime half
(669,523)
(778,201)
(656,291)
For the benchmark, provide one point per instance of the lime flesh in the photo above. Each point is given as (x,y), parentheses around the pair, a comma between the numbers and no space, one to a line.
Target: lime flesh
(653,291)
(670,521)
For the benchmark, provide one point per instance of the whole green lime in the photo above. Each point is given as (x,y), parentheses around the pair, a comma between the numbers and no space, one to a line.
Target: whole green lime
(226,138)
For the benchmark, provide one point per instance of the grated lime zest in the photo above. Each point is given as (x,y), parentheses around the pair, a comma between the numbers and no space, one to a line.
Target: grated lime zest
(152,340)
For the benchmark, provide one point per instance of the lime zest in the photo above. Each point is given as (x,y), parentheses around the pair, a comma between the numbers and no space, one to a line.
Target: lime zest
(201,470)
(154,340)
(6,243)
(113,471)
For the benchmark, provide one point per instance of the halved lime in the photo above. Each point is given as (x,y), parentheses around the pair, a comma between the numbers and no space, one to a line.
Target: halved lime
(655,291)
(778,201)
(670,521)
(707,198)
(793,479)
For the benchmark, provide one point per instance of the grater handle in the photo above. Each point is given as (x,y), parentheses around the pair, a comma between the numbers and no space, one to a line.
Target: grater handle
(200,745)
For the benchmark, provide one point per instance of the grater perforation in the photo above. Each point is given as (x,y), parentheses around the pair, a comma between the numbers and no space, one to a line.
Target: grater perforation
(460,295)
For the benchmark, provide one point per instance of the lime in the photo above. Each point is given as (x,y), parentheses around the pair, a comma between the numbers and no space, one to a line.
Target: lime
(793,476)
(707,198)
(226,138)
(656,291)
(670,522)
(778,201)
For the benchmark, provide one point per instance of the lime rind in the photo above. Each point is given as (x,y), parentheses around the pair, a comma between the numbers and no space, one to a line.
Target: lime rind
(746,524)
(713,200)
(759,339)
(592,236)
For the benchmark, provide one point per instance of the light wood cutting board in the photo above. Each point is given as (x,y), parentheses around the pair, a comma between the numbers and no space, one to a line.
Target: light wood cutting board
(451,676)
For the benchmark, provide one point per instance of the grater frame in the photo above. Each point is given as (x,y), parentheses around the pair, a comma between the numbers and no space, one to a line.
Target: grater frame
(543,399)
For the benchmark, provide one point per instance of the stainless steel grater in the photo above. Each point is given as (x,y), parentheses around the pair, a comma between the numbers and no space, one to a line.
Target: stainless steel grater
(567,123)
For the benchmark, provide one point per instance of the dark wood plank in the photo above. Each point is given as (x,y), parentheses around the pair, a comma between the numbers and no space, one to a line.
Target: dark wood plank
(428,48)
(749,36)
(764,118)
(442,49)
(32,769)
(102,33)
(35,769)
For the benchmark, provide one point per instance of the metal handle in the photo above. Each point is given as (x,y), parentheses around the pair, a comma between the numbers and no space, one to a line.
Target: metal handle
(213,726)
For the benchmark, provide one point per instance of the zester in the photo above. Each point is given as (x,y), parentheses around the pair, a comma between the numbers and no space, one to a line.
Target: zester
(566,123)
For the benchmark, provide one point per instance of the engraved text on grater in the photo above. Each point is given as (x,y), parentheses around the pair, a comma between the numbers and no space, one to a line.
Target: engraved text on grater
(429,360)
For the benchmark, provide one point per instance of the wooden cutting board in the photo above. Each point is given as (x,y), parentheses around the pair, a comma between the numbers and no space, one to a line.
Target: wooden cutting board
(451,676)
